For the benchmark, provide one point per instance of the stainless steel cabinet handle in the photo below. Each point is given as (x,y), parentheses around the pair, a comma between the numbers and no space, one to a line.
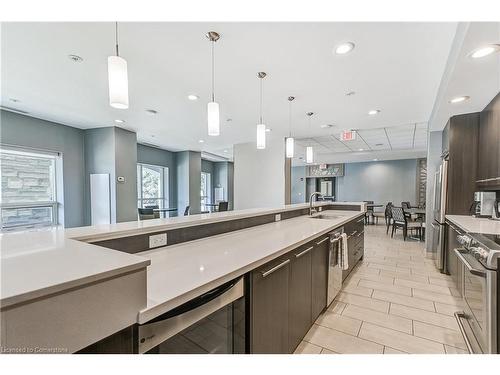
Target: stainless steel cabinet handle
(275,268)
(472,270)
(361,220)
(360,233)
(304,252)
(320,242)
(458,315)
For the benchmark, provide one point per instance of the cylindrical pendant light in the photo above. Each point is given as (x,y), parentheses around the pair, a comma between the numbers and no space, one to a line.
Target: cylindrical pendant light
(309,149)
(117,78)
(261,128)
(309,155)
(213,116)
(289,141)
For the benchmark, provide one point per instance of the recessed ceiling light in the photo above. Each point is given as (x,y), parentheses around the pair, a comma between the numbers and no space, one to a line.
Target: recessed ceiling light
(75,58)
(326,126)
(193,97)
(201,141)
(459,99)
(118,121)
(361,149)
(225,150)
(375,159)
(344,48)
(151,112)
(268,130)
(373,112)
(485,51)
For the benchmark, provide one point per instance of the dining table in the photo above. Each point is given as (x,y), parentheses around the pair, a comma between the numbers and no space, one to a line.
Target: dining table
(163,211)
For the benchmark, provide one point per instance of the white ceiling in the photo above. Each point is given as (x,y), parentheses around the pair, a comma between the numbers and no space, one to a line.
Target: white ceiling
(477,78)
(395,67)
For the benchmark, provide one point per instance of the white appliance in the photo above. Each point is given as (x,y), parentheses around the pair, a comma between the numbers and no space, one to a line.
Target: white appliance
(439,210)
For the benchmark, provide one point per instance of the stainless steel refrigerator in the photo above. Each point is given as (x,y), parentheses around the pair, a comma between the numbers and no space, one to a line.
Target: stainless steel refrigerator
(439,212)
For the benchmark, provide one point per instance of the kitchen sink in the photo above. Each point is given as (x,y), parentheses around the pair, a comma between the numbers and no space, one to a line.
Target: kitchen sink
(325,217)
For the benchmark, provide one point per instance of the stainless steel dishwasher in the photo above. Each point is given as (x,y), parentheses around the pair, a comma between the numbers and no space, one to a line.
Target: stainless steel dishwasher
(335,264)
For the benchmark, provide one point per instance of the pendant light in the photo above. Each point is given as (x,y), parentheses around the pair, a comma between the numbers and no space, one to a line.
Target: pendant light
(213,117)
(309,149)
(289,141)
(117,78)
(261,128)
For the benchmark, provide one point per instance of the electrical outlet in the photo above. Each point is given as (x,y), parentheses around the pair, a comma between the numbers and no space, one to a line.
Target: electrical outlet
(320,208)
(277,217)
(158,240)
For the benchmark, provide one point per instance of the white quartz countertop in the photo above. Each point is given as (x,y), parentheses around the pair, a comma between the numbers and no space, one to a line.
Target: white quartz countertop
(475,225)
(36,264)
(181,272)
(102,232)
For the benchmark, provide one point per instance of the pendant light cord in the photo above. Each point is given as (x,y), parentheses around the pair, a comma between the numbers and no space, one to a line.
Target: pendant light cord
(290,119)
(213,72)
(261,101)
(116,38)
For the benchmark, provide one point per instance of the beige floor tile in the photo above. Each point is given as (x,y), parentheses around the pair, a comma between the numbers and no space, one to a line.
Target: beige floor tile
(429,317)
(439,334)
(455,292)
(437,297)
(341,323)
(359,290)
(377,278)
(416,278)
(307,348)
(389,268)
(453,350)
(423,286)
(336,307)
(388,350)
(341,342)
(404,300)
(399,340)
(429,273)
(379,318)
(326,351)
(365,302)
(442,282)
(386,287)
(364,269)
(447,309)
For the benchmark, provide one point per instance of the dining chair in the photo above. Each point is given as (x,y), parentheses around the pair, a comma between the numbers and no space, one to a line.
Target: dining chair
(146,213)
(154,207)
(369,212)
(223,206)
(400,221)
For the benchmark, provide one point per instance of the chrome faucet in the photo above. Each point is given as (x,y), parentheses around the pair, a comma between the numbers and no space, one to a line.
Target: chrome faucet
(311,209)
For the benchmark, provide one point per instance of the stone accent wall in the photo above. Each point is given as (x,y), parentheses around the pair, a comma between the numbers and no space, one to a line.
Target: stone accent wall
(421,180)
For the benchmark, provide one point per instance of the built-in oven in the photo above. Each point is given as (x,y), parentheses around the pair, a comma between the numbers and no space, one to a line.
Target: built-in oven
(478,321)
(213,323)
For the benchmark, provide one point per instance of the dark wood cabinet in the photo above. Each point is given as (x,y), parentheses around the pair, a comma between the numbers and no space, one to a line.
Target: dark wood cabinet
(300,300)
(319,276)
(463,135)
(454,267)
(355,243)
(270,307)
(488,176)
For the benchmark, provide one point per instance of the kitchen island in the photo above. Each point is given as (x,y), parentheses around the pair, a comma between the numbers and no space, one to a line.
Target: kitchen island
(176,274)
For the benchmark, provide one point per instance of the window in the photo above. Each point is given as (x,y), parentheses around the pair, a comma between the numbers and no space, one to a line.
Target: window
(28,182)
(206,191)
(152,186)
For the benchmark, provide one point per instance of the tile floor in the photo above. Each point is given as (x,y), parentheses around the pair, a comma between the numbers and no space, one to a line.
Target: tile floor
(393,302)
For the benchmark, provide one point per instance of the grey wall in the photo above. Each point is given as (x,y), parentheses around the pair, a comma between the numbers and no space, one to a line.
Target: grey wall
(34,133)
(157,156)
(223,177)
(380,181)
(298,180)
(126,166)
(188,181)
(99,158)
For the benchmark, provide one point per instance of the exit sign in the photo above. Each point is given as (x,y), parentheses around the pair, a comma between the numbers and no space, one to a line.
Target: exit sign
(348,135)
